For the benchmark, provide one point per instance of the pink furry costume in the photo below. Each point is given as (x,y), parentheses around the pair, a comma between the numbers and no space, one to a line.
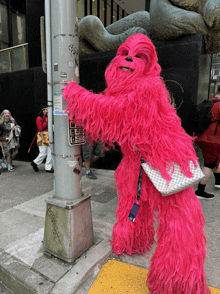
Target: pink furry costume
(135,111)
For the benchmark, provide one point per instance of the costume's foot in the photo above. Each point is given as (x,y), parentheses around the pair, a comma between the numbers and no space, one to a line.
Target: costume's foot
(10,168)
(204,195)
(131,240)
(50,171)
(34,165)
(91,176)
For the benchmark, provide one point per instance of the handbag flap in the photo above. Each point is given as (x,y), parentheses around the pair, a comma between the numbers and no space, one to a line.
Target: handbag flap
(178,182)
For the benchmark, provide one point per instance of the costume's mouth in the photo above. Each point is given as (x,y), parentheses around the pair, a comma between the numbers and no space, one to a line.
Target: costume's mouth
(126,68)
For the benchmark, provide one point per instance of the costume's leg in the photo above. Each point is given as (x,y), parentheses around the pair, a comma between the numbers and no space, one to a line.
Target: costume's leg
(127,236)
(41,155)
(177,265)
(48,163)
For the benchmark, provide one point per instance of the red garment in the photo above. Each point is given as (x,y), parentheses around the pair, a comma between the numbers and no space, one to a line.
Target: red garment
(210,154)
(209,134)
(41,124)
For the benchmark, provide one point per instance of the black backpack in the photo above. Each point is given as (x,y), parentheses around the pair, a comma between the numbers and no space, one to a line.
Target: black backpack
(201,119)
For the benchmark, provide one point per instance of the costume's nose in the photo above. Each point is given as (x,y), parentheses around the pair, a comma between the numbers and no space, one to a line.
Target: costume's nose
(129,58)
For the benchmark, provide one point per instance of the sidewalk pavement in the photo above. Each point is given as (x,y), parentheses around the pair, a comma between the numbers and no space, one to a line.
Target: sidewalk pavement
(25,269)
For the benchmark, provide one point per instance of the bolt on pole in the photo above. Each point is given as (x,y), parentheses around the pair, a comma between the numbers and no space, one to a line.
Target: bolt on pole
(68,223)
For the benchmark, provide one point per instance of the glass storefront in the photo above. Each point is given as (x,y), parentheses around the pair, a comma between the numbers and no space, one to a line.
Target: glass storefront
(13,46)
(12,56)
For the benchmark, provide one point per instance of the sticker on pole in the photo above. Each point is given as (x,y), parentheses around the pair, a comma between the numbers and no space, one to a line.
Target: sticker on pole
(72,163)
(58,104)
(76,135)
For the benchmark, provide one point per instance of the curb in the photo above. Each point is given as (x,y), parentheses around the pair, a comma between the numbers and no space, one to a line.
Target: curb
(86,267)
(22,279)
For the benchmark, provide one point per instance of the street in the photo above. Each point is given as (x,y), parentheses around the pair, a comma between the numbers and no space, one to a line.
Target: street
(22,212)
(23,184)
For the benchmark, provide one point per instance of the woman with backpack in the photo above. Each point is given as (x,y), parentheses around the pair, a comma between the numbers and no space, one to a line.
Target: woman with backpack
(209,142)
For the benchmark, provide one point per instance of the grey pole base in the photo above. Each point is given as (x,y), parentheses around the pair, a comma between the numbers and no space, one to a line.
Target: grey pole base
(68,228)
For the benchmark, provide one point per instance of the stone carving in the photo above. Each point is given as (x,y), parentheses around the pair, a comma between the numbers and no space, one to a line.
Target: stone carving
(171,19)
(166,20)
(94,37)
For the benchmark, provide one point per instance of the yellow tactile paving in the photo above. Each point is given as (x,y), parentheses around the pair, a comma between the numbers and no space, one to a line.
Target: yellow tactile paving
(214,290)
(116,277)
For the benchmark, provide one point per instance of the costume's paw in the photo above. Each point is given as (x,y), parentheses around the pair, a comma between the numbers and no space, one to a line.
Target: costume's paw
(69,90)
(177,270)
(118,247)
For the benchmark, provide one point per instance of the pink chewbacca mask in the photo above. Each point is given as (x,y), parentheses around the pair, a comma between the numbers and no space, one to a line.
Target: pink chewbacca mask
(141,61)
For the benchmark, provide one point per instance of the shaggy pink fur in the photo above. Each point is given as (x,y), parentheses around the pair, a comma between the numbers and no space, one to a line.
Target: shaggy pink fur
(135,112)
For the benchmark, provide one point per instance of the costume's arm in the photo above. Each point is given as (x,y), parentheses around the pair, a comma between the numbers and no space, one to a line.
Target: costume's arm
(99,115)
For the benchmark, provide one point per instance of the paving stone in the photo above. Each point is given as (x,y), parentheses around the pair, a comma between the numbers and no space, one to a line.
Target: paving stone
(52,268)
(20,278)
(4,290)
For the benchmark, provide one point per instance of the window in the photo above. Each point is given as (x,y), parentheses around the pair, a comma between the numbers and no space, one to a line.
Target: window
(102,11)
(18,29)
(108,11)
(4,42)
(216,65)
(94,7)
(114,12)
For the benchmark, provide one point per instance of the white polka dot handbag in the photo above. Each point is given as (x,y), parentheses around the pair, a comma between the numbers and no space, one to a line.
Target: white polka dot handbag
(179,181)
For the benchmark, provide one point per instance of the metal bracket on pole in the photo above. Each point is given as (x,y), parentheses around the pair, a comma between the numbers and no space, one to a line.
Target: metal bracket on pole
(63,156)
(55,83)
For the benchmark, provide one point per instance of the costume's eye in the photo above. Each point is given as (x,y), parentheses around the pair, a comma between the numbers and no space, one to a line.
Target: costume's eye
(123,53)
(137,56)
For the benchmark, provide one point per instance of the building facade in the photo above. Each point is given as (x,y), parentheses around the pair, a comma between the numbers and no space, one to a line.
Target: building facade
(20,46)
(23,84)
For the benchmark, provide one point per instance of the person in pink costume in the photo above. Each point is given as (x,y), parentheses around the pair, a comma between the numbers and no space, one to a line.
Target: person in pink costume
(135,111)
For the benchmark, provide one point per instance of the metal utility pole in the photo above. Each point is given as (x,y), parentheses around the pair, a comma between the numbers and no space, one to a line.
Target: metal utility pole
(68,224)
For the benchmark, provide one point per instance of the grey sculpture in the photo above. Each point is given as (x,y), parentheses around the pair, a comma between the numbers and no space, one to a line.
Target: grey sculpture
(93,36)
(166,20)
(171,19)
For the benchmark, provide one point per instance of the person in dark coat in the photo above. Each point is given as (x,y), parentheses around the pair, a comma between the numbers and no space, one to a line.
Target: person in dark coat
(209,142)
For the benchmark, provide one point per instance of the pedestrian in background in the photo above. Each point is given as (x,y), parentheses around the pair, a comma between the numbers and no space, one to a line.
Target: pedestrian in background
(209,142)
(10,136)
(43,143)
(91,153)
(2,148)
